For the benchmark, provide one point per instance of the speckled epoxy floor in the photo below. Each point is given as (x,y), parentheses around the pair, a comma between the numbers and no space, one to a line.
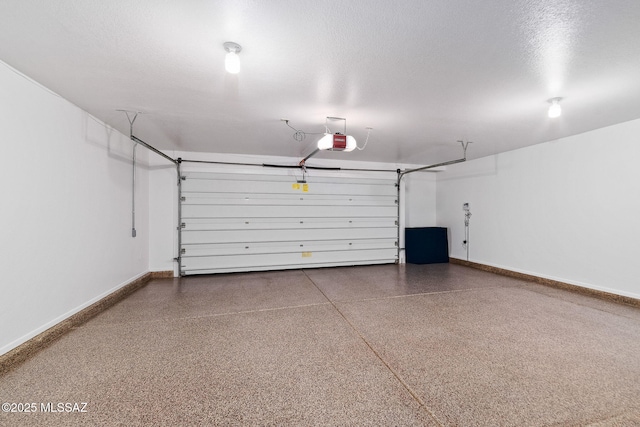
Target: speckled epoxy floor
(380,345)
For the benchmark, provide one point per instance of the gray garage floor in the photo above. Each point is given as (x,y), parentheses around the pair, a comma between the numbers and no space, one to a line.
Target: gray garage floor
(381,345)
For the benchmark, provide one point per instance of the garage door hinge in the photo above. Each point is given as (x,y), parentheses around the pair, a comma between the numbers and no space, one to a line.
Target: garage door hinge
(394,243)
(184,178)
(182,199)
(396,202)
(183,251)
(396,222)
(183,225)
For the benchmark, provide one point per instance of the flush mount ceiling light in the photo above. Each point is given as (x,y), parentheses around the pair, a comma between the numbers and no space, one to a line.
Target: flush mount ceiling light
(555,110)
(232,60)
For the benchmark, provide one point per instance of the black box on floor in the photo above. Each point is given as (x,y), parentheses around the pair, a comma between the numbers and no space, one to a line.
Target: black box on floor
(426,245)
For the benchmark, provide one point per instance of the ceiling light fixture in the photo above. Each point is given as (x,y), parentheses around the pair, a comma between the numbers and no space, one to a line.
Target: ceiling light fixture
(232,60)
(555,110)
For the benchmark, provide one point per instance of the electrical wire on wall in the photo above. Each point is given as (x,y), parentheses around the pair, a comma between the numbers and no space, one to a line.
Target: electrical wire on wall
(467,216)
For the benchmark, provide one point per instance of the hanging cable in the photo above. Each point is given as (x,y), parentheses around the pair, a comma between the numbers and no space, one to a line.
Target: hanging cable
(300,135)
(366,140)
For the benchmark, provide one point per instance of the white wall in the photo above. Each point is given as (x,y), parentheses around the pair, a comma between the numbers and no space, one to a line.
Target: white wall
(66,210)
(420,199)
(417,210)
(163,214)
(565,210)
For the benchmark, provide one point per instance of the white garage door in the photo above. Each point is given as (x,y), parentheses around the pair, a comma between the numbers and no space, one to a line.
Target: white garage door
(247,222)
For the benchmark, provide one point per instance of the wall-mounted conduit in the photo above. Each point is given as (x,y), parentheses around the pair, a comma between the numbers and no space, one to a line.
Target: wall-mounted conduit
(467,216)
(133,170)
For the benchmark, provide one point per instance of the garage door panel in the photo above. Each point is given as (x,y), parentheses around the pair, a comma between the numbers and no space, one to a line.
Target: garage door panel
(298,247)
(250,223)
(284,267)
(289,177)
(268,186)
(301,260)
(286,199)
(208,211)
(283,235)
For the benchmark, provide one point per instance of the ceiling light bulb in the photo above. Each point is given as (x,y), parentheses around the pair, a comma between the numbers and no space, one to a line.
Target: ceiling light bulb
(232,63)
(555,110)
(351,143)
(232,60)
(326,142)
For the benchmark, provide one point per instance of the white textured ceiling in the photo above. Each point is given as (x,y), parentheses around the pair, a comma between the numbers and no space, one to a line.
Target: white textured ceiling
(423,74)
